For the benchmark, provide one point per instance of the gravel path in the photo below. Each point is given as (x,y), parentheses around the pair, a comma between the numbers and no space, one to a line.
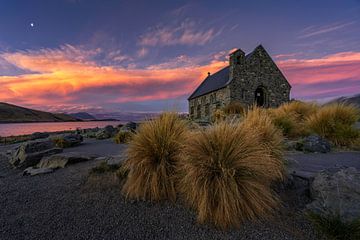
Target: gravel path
(68,204)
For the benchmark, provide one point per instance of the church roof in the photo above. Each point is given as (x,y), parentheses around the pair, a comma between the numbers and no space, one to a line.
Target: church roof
(213,82)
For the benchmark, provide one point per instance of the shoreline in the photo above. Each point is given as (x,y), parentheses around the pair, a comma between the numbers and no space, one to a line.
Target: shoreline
(79,120)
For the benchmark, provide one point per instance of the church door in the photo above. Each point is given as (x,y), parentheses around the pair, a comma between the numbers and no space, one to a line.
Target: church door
(260,97)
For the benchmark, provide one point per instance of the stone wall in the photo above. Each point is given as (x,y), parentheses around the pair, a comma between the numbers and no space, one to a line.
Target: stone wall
(259,71)
(203,107)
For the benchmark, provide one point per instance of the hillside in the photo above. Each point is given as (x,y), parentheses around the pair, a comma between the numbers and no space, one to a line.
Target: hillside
(351,99)
(82,116)
(11,114)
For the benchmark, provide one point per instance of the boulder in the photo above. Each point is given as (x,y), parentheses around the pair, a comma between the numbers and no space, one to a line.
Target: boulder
(107,132)
(39,135)
(115,160)
(336,192)
(64,159)
(130,126)
(30,153)
(36,171)
(68,140)
(315,143)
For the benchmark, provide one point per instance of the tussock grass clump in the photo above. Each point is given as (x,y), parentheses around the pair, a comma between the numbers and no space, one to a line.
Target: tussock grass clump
(103,167)
(257,119)
(218,116)
(153,154)
(335,123)
(61,143)
(123,137)
(290,117)
(234,108)
(226,174)
(334,228)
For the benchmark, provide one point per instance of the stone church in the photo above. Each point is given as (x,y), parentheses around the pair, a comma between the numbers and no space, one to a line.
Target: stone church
(249,79)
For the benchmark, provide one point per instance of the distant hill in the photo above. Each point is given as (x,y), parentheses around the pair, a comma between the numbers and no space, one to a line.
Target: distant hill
(351,99)
(82,116)
(11,114)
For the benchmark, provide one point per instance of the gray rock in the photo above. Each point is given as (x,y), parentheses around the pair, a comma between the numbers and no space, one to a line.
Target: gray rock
(336,191)
(39,135)
(73,139)
(36,171)
(30,153)
(315,143)
(107,132)
(116,160)
(64,159)
(130,126)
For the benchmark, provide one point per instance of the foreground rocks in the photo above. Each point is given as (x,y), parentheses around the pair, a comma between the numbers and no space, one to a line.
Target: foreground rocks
(107,132)
(336,192)
(68,140)
(30,153)
(310,144)
(63,159)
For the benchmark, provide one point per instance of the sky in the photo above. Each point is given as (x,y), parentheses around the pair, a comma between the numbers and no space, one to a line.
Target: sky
(149,56)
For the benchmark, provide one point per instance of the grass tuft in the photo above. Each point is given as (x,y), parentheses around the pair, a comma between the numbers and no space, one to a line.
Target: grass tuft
(334,228)
(123,137)
(226,174)
(335,123)
(234,107)
(153,154)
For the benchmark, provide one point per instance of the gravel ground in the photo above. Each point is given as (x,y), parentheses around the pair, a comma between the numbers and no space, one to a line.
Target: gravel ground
(70,204)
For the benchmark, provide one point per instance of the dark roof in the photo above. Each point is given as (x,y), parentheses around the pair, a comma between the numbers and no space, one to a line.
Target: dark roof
(213,82)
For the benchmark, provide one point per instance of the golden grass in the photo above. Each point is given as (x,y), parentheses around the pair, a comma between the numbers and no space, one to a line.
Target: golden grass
(258,120)
(234,107)
(335,123)
(218,116)
(226,173)
(153,154)
(290,117)
(123,137)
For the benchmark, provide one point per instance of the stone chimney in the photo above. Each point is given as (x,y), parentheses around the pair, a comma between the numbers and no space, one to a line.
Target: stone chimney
(236,61)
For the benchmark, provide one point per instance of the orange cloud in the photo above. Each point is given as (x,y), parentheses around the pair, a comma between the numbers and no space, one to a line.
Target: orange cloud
(59,78)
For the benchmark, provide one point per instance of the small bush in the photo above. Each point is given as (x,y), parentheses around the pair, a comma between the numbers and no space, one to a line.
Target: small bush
(226,173)
(234,108)
(218,116)
(103,167)
(153,154)
(290,117)
(61,143)
(333,227)
(258,120)
(335,123)
(122,137)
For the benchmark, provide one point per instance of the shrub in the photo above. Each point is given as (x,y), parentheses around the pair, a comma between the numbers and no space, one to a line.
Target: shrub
(103,167)
(226,173)
(234,108)
(258,120)
(122,137)
(218,116)
(153,153)
(335,123)
(334,228)
(61,142)
(290,117)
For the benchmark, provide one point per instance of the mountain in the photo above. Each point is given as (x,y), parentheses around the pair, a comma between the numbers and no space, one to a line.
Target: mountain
(350,99)
(83,116)
(125,116)
(11,114)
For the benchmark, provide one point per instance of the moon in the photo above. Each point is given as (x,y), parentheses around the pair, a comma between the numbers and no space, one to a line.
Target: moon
(32,24)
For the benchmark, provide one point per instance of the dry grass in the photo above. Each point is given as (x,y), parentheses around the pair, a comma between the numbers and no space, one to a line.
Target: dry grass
(258,120)
(290,117)
(335,123)
(123,137)
(226,174)
(218,116)
(153,154)
(234,108)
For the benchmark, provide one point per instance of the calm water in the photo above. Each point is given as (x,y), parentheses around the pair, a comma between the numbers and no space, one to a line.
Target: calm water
(9,129)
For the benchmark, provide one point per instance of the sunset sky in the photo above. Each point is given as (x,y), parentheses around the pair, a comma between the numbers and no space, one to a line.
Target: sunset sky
(146,56)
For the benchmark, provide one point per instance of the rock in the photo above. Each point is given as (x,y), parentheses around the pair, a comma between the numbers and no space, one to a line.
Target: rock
(315,143)
(336,191)
(68,140)
(64,159)
(30,153)
(130,126)
(36,171)
(107,132)
(116,160)
(39,135)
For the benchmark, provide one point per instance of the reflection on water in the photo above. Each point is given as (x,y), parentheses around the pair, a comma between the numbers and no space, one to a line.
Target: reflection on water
(13,129)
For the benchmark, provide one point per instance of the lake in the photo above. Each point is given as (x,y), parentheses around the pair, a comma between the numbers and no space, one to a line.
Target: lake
(13,129)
